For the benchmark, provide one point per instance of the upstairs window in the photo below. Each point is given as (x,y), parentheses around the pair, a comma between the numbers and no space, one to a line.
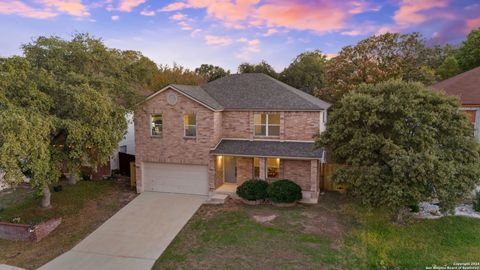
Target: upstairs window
(156,124)
(267,124)
(190,121)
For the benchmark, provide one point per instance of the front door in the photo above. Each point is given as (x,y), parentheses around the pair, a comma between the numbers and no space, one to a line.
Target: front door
(230,170)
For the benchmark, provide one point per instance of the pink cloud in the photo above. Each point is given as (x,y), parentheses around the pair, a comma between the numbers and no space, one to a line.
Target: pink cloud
(147,13)
(411,11)
(319,17)
(218,40)
(115,18)
(472,24)
(270,32)
(178,17)
(129,5)
(17,7)
(71,7)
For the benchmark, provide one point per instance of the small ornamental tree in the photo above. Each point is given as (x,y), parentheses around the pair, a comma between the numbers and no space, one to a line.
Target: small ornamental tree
(402,144)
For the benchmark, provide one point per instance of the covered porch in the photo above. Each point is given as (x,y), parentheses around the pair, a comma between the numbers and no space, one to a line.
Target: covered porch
(238,161)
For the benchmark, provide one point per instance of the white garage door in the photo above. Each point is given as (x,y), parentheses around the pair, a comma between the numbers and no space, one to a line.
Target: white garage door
(175,178)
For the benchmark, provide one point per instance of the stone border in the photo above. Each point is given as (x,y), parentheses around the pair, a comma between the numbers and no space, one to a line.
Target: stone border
(25,232)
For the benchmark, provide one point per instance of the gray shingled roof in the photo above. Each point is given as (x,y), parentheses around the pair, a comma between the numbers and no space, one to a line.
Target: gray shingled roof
(257,91)
(196,92)
(268,149)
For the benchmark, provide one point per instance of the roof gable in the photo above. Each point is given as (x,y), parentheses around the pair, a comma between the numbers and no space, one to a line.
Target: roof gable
(249,91)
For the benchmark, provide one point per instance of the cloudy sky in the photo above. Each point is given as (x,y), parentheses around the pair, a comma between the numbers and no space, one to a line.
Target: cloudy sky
(229,32)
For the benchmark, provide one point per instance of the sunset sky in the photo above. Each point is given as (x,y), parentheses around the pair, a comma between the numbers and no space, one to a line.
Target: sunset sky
(228,32)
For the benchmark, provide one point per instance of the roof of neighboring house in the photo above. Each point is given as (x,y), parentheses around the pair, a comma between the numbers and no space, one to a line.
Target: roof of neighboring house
(251,91)
(466,86)
(268,149)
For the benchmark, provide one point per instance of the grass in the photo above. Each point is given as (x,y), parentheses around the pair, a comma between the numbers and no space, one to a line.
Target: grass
(83,207)
(335,234)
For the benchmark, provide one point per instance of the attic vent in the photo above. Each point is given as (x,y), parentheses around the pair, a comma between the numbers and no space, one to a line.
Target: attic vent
(172,98)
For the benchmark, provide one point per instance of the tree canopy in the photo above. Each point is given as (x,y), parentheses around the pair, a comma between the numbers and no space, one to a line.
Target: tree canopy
(306,72)
(211,72)
(262,67)
(402,144)
(176,74)
(449,68)
(468,54)
(376,59)
(69,99)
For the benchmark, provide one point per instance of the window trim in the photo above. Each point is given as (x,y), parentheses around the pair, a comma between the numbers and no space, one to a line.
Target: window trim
(267,125)
(151,127)
(185,125)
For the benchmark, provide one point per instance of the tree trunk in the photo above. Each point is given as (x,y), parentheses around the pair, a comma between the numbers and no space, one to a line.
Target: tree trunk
(46,197)
(399,215)
(72,178)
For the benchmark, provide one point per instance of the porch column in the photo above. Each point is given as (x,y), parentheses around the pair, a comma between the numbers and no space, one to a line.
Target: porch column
(262,167)
(314,175)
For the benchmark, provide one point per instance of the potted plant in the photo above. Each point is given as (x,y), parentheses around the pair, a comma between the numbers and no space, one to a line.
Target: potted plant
(253,192)
(284,193)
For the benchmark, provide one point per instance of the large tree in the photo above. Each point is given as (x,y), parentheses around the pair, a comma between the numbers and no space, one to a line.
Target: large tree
(86,89)
(176,74)
(26,127)
(262,67)
(211,72)
(449,68)
(306,72)
(376,59)
(468,54)
(401,144)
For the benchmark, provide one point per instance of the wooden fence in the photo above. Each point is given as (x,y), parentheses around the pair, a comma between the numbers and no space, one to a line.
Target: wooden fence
(326,182)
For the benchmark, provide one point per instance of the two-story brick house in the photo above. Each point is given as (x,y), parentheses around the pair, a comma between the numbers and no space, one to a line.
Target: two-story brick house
(197,139)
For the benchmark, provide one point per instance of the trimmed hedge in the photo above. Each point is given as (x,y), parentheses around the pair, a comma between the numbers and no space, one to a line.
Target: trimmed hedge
(284,191)
(253,190)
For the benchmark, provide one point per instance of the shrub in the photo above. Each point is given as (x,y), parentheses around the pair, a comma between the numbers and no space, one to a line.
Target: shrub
(253,189)
(284,191)
(476,202)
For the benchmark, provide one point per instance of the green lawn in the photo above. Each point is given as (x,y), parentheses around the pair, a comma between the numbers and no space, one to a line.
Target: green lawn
(83,207)
(335,234)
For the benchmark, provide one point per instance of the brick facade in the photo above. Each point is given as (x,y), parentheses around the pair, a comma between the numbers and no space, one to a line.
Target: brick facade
(212,126)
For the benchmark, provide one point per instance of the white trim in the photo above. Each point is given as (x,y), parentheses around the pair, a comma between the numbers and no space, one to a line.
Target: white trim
(179,91)
(264,140)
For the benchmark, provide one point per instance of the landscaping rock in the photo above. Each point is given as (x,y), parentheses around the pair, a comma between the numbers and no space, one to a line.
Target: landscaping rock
(432,211)
(264,219)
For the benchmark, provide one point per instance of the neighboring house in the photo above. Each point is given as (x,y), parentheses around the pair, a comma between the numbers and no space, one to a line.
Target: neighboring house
(466,86)
(126,145)
(198,139)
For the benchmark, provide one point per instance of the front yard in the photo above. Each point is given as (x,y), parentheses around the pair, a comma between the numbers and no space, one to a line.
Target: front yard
(335,234)
(83,207)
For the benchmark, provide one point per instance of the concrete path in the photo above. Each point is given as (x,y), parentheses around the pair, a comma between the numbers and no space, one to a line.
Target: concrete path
(134,237)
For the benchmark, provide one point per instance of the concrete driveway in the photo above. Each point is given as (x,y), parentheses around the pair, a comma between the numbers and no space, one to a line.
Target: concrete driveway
(134,237)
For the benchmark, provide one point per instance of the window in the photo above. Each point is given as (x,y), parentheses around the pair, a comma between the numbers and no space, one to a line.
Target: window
(157,124)
(267,124)
(256,168)
(190,121)
(123,149)
(273,167)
